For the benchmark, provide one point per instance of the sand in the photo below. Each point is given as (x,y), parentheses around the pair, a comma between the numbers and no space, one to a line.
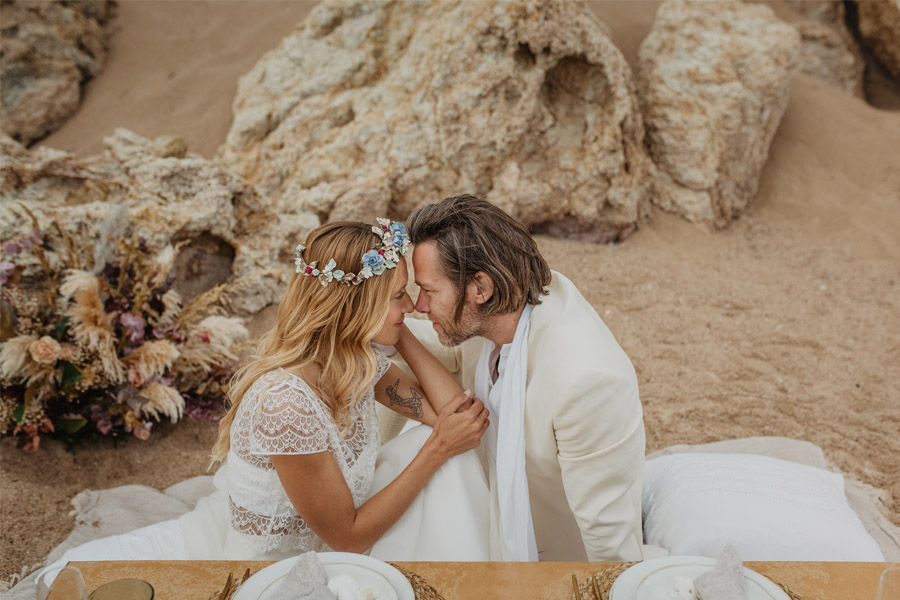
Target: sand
(784,324)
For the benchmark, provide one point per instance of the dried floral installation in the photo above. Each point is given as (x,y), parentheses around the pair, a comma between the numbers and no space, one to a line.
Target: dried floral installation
(96,341)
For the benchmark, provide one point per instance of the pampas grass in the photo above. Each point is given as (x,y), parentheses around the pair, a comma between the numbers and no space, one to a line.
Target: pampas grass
(172,302)
(16,361)
(161,400)
(200,354)
(92,326)
(152,358)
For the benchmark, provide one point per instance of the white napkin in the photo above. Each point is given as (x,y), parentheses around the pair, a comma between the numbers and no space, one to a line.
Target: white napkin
(306,580)
(726,580)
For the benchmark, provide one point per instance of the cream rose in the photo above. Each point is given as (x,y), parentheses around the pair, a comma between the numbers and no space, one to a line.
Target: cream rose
(45,350)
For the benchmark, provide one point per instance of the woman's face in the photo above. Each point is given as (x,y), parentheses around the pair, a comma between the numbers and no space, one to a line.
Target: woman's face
(399,306)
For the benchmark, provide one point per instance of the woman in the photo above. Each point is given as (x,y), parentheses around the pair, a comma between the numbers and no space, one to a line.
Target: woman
(301,436)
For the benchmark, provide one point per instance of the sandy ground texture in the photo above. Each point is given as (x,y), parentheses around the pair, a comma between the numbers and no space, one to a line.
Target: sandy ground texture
(784,324)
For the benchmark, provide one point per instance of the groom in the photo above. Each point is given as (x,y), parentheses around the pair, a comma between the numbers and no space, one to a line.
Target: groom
(565,448)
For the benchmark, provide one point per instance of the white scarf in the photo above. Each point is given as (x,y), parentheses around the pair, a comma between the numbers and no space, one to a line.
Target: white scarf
(505,398)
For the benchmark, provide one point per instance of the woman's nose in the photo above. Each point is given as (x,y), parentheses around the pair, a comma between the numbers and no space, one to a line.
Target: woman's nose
(408,306)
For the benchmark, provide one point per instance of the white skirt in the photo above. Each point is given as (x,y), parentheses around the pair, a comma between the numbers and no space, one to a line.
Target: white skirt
(447,521)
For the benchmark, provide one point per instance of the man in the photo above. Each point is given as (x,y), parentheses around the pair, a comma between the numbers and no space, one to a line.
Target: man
(565,448)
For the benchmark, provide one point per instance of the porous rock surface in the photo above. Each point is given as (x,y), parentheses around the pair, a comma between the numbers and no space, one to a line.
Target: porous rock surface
(879,27)
(714,80)
(373,108)
(222,228)
(48,50)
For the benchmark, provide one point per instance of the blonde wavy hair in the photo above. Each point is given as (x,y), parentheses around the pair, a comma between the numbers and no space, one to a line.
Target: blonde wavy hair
(330,327)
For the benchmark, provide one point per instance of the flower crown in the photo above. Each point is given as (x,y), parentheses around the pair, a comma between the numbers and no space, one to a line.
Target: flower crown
(394,244)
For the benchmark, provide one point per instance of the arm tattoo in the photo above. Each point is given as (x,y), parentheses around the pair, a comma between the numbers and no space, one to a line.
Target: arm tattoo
(413,404)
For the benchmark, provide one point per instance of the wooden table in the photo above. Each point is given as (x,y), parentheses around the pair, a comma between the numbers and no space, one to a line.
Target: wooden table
(189,580)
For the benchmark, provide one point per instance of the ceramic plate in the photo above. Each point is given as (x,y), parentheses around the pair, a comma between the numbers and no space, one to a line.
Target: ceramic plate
(653,579)
(388,582)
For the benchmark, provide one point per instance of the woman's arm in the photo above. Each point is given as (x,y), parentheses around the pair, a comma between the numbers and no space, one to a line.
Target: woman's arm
(437,382)
(327,504)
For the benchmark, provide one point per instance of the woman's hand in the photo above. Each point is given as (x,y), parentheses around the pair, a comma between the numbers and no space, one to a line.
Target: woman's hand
(460,425)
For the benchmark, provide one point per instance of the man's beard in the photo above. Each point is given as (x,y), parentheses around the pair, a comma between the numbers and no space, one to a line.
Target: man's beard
(469,325)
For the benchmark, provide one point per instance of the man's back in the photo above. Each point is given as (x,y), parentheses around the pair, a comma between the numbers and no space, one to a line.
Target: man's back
(584,433)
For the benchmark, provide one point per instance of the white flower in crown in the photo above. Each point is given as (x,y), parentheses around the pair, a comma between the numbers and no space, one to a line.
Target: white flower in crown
(329,273)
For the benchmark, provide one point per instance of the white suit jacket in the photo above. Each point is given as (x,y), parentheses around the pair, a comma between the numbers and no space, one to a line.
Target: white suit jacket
(584,429)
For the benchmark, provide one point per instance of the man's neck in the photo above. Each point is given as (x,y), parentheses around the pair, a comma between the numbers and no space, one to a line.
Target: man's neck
(501,329)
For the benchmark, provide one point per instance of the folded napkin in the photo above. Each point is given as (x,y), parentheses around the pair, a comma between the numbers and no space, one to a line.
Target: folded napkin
(725,581)
(307,580)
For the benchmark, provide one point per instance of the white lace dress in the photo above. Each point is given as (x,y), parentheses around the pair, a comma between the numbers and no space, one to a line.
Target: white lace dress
(280,414)
(250,517)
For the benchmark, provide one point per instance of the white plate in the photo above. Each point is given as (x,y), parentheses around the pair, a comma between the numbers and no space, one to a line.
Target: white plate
(387,581)
(653,579)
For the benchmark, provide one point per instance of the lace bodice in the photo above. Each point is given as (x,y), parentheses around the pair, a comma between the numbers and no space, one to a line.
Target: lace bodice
(281,414)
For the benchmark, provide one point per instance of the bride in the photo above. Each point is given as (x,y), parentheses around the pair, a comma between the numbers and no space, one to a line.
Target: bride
(304,468)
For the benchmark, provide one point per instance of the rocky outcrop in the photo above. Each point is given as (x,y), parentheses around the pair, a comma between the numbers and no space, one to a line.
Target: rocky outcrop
(828,50)
(48,50)
(221,227)
(713,83)
(376,108)
(879,27)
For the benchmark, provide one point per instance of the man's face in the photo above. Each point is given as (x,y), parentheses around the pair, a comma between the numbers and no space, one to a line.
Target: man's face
(437,299)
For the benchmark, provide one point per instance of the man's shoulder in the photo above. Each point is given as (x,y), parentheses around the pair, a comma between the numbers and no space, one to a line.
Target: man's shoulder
(564,315)
(570,343)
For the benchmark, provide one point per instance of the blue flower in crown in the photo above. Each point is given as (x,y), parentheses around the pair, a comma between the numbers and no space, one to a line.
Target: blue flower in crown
(373,260)
(397,227)
(398,238)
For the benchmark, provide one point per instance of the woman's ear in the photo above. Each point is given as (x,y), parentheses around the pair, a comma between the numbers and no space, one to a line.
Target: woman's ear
(481,288)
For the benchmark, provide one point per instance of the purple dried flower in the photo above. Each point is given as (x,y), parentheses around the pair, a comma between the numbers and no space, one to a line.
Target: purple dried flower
(104,425)
(25,242)
(38,235)
(6,269)
(11,248)
(134,325)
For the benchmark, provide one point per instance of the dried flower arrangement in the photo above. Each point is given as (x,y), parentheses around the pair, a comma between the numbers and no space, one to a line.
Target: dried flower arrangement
(96,341)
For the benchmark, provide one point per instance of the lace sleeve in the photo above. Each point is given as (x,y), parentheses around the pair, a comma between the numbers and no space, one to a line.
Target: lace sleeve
(288,420)
(382,364)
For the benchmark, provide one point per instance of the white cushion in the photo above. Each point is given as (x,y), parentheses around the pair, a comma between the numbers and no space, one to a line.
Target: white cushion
(768,509)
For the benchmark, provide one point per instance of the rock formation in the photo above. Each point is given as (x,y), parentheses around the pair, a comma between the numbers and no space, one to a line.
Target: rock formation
(48,50)
(713,84)
(828,51)
(220,225)
(380,107)
(879,27)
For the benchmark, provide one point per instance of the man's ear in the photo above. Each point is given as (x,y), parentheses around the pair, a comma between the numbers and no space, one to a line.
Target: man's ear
(481,288)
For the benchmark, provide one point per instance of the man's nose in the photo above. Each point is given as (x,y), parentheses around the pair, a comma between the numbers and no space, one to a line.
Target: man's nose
(422,303)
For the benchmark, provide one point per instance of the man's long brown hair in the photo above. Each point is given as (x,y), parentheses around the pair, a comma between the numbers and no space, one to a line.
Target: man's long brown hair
(473,235)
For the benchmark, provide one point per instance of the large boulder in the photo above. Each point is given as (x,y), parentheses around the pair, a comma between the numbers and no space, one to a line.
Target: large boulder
(48,50)
(828,50)
(714,81)
(221,227)
(375,108)
(879,27)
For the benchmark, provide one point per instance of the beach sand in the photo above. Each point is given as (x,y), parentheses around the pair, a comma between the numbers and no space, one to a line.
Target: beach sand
(784,324)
